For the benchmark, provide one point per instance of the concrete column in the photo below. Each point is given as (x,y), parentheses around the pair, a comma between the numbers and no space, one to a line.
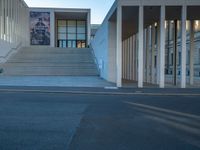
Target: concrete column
(158,54)
(131,58)
(183,47)
(136,57)
(119,46)
(133,55)
(192,52)
(175,53)
(123,69)
(88,27)
(140,46)
(147,55)
(5,21)
(1,19)
(152,53)
(162,48)
(8,20)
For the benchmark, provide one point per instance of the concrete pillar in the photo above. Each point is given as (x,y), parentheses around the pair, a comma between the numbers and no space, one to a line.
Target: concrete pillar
(175,53)
(88,27)
(153,54)
(140,46)
(136,57)
(119,46)
(134,62)
(147,56)
(192,52)
(158,54)
(162,49)
(1,19)
(183,47)
(168,45)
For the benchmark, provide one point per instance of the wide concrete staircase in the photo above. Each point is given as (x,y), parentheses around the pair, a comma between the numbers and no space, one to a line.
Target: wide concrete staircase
(45,61)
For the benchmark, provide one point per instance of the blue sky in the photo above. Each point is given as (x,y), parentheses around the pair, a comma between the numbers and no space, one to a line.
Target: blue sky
(99,8)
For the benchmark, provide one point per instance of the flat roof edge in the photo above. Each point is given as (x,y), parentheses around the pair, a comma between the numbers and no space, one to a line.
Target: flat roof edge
(55,8)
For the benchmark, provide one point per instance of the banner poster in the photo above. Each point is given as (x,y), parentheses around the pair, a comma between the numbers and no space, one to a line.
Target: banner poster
(40,28)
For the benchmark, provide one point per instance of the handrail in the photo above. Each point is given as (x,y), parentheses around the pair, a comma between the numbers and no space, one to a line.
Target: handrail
(95,59)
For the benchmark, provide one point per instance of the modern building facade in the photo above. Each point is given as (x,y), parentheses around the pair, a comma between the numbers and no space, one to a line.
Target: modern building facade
(140,42)
(153,42)
(65,28)
(22,26)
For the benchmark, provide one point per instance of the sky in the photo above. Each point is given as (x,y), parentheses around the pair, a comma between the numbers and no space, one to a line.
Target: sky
(99,8)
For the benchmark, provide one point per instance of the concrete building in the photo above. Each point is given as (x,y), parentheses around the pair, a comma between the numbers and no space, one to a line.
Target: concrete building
(150,41)
(140,42)
(22,26)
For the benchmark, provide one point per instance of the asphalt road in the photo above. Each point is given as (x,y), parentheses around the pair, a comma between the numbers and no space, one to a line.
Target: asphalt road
(59,121)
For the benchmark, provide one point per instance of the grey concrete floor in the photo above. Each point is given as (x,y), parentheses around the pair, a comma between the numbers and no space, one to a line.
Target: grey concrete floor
(60,81)
(49,121)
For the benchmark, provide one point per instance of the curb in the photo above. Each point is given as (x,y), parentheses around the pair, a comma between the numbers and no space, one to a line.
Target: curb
(99,93)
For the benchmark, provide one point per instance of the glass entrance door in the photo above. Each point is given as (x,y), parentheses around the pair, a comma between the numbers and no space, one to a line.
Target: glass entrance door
(71,33)
(71,43)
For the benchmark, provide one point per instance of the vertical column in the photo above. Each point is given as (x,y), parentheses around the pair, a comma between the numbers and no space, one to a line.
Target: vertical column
(192,52)
(1,1)
(119,46)
(140,46)
(175,53)
(168,45)
(147,55)
(136,57)
(52,28)
(183,47)
(134,53)
(88,27)
(3,20)
(162,48)
(11,22)
(158,54)
(152,53)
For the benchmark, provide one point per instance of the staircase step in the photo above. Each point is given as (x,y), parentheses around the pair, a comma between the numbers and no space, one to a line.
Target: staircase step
(46,61)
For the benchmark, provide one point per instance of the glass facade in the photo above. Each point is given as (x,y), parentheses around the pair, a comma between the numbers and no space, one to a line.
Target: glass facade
(71,33)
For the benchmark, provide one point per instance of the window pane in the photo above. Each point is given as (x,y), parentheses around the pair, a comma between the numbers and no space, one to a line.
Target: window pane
(71,36)
(69,43)
(61,36)
(83,45)
(71,23)
(62,29)
(64,44)
(80,29)
(81,23)
(60,43)
(80,36)
(61,23)
(74,44)
(71,29)
(79,44)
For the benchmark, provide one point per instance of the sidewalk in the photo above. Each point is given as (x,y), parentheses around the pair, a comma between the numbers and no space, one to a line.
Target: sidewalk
(54,81)
(104,90)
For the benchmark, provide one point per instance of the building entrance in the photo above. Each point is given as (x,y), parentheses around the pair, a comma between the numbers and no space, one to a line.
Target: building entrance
(71,33)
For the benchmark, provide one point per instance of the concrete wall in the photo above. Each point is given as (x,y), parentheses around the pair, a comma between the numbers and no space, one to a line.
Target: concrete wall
(104,45)
(13,27)
(112,69)
(100,46)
